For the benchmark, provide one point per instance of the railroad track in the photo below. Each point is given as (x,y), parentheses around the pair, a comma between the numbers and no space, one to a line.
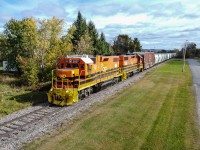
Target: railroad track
(16,125)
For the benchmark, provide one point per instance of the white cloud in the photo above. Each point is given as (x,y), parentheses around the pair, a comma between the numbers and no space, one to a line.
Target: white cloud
(120,19)
(161,24)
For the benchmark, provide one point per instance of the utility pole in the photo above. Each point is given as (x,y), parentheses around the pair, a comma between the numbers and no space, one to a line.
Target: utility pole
(184,53)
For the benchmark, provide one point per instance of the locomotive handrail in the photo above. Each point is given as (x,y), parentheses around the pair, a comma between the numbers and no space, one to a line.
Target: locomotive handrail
(52,79)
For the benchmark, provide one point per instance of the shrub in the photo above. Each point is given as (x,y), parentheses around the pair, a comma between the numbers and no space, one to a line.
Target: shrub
(44,74)
(29,71)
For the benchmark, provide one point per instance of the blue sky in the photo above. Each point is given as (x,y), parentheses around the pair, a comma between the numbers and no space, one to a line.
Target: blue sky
(160,24)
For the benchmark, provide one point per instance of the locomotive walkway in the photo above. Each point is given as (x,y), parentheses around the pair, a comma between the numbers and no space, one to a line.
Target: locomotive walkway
(195,69)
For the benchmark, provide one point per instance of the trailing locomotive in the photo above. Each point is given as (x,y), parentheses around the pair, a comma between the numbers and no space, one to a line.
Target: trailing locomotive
(78,76)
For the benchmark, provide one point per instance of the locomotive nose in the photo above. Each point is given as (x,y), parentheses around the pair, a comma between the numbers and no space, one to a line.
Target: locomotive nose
(70,72)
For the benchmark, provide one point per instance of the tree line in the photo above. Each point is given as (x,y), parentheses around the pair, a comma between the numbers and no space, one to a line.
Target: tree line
(191,50)
(32,46)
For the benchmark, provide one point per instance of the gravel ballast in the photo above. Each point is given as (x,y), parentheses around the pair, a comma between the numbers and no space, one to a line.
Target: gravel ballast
(64,115)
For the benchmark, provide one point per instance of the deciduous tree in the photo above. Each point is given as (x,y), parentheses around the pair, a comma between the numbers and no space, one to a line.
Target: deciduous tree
(67,45)
(49,46)
(2,47)
(84,46)
(20,39)
(124,44)
(121,44)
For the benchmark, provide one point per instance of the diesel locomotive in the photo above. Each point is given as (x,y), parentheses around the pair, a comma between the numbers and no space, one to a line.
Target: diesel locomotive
(78,76)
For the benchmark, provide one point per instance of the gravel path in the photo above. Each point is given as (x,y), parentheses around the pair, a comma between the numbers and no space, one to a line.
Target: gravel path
(52,122)
(195,68)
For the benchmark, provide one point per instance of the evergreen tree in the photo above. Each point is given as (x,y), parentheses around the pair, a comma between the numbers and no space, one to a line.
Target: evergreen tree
(94,36)
(81,29)
(137,46)
(103,46)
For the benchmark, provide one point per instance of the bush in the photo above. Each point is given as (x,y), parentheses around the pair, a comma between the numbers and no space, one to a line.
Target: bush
(29,71)
(44,74)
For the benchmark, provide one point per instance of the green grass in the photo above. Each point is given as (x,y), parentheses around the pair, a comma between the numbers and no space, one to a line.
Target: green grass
(158,113)
(14,97)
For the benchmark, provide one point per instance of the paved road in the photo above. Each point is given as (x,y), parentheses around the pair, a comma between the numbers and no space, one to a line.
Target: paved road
(195,68)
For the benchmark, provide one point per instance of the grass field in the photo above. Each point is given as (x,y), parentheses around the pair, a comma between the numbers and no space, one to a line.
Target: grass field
(14,97)
(157,113)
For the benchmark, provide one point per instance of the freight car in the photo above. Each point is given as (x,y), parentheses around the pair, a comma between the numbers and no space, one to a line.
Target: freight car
(148,59)
(78,76)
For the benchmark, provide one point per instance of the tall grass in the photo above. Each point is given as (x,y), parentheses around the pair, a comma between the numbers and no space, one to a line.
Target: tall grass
(14,96)
(158,112)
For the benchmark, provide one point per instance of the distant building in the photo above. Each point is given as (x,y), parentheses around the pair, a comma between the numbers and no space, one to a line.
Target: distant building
(5,64)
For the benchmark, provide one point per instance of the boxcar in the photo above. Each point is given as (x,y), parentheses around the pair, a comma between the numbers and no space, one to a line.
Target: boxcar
(148,59)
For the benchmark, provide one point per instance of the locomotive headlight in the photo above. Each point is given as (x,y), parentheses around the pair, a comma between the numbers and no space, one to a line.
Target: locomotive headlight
(51,89)
(67,91)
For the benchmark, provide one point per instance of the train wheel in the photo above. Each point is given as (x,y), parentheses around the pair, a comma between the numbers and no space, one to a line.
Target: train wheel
(127,75)
(87,92)
(91,90)
(97,87)
(116,80)
(81,95)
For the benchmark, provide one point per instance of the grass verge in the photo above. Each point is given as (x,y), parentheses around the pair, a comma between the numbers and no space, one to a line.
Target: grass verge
(158,112)
(14,97)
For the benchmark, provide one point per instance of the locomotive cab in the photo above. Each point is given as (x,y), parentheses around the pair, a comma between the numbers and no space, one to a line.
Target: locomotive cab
(66,79)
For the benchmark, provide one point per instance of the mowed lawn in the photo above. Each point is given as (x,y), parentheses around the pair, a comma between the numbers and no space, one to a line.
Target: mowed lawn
(157,113)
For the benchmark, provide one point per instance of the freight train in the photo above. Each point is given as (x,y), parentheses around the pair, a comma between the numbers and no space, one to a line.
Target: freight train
(78,76)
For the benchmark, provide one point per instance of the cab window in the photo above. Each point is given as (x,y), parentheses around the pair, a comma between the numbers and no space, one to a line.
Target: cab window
(82,66)
(75,65)
(68,66)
